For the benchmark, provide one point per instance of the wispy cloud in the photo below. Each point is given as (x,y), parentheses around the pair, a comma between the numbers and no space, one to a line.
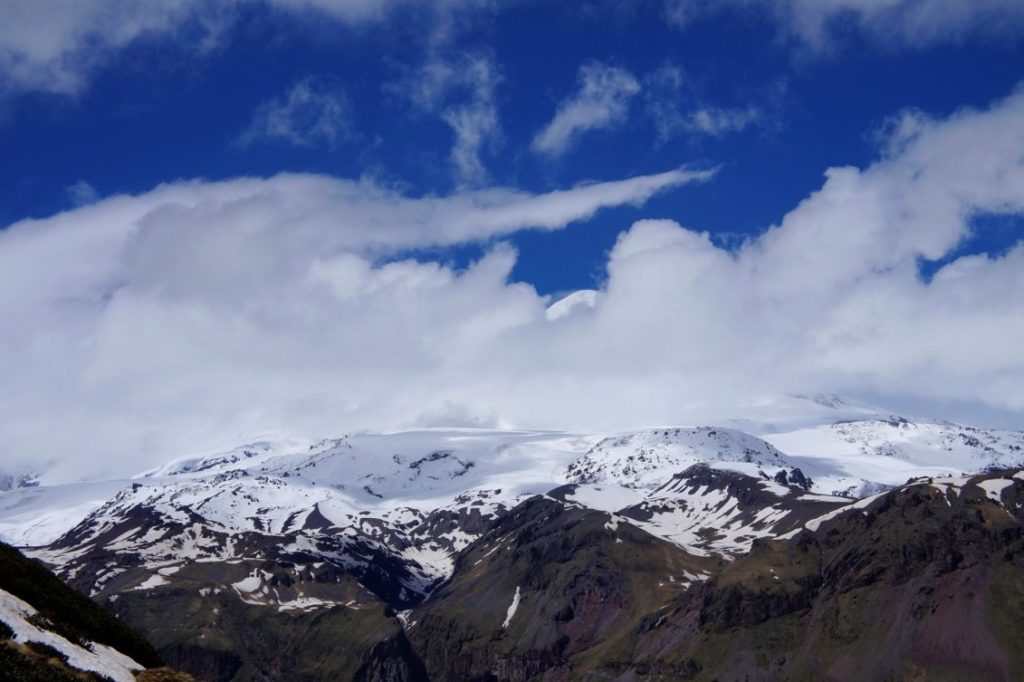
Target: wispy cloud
(716,122)
(461,90)
(313,112)
(601,101)
(819,24)
(81,193)
(675,106)
(57,46)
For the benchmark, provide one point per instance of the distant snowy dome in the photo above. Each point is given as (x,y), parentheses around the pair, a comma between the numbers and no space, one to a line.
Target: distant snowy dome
(577,299)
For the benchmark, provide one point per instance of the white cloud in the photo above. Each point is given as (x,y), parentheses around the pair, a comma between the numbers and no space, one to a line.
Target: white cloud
(675,106)
(82,193)
(313,112)
(474,126)
(56,45)
(200,311)
(200,314)
(818,24)
(912,22)
(601,101)
(716,122)
(461,90)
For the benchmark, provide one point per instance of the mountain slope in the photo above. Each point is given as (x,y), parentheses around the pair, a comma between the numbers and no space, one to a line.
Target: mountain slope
(50,632)
(551,583)
(721,511)
(924,582)
(414,549)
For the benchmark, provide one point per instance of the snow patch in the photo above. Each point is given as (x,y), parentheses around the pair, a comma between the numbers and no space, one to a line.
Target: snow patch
(100,659)
(512,608)
(304,604)
(814,524)
(151,582)
(585,299)
(248,585)
(994,487)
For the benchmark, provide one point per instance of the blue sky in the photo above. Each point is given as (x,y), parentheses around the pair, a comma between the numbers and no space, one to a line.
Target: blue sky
(511,108)
(161,110)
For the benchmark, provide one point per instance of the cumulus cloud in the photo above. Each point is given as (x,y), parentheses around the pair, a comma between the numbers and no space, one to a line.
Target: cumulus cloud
(202,314)
(313,112)
(914,23)
(461,90)
(200,311)
(601,101)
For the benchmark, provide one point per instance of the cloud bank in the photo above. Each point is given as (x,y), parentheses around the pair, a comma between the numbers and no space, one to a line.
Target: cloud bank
(202,314)
(139,326)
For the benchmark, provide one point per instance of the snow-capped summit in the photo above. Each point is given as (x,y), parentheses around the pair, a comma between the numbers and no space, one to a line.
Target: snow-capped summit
(584,299)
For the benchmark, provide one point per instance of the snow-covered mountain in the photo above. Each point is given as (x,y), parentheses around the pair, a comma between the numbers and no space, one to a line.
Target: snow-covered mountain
(364,519)
(422,496)
(858,457)
(641,459)
(414,498)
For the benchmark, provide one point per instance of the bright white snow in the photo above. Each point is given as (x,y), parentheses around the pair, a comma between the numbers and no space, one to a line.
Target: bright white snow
(101,659)
(372,487)
(512,608)
(151,582)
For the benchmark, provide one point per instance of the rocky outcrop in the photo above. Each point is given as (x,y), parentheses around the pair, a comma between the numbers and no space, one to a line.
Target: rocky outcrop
(546,586)
(922,582)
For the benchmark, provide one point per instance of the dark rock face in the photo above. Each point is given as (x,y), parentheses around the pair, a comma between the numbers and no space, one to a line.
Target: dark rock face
(793,477)
(920,583)
(392,660)
(204,664)
(577,581)
(15,481)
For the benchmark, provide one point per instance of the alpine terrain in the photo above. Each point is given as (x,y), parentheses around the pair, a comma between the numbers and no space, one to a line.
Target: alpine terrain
(848,544)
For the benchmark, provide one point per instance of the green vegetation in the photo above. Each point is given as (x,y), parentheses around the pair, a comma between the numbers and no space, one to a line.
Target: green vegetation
(220,637)
(37,662)
(70,614)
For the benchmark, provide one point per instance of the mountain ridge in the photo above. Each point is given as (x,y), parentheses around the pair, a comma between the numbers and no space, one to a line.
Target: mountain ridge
(378,539)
